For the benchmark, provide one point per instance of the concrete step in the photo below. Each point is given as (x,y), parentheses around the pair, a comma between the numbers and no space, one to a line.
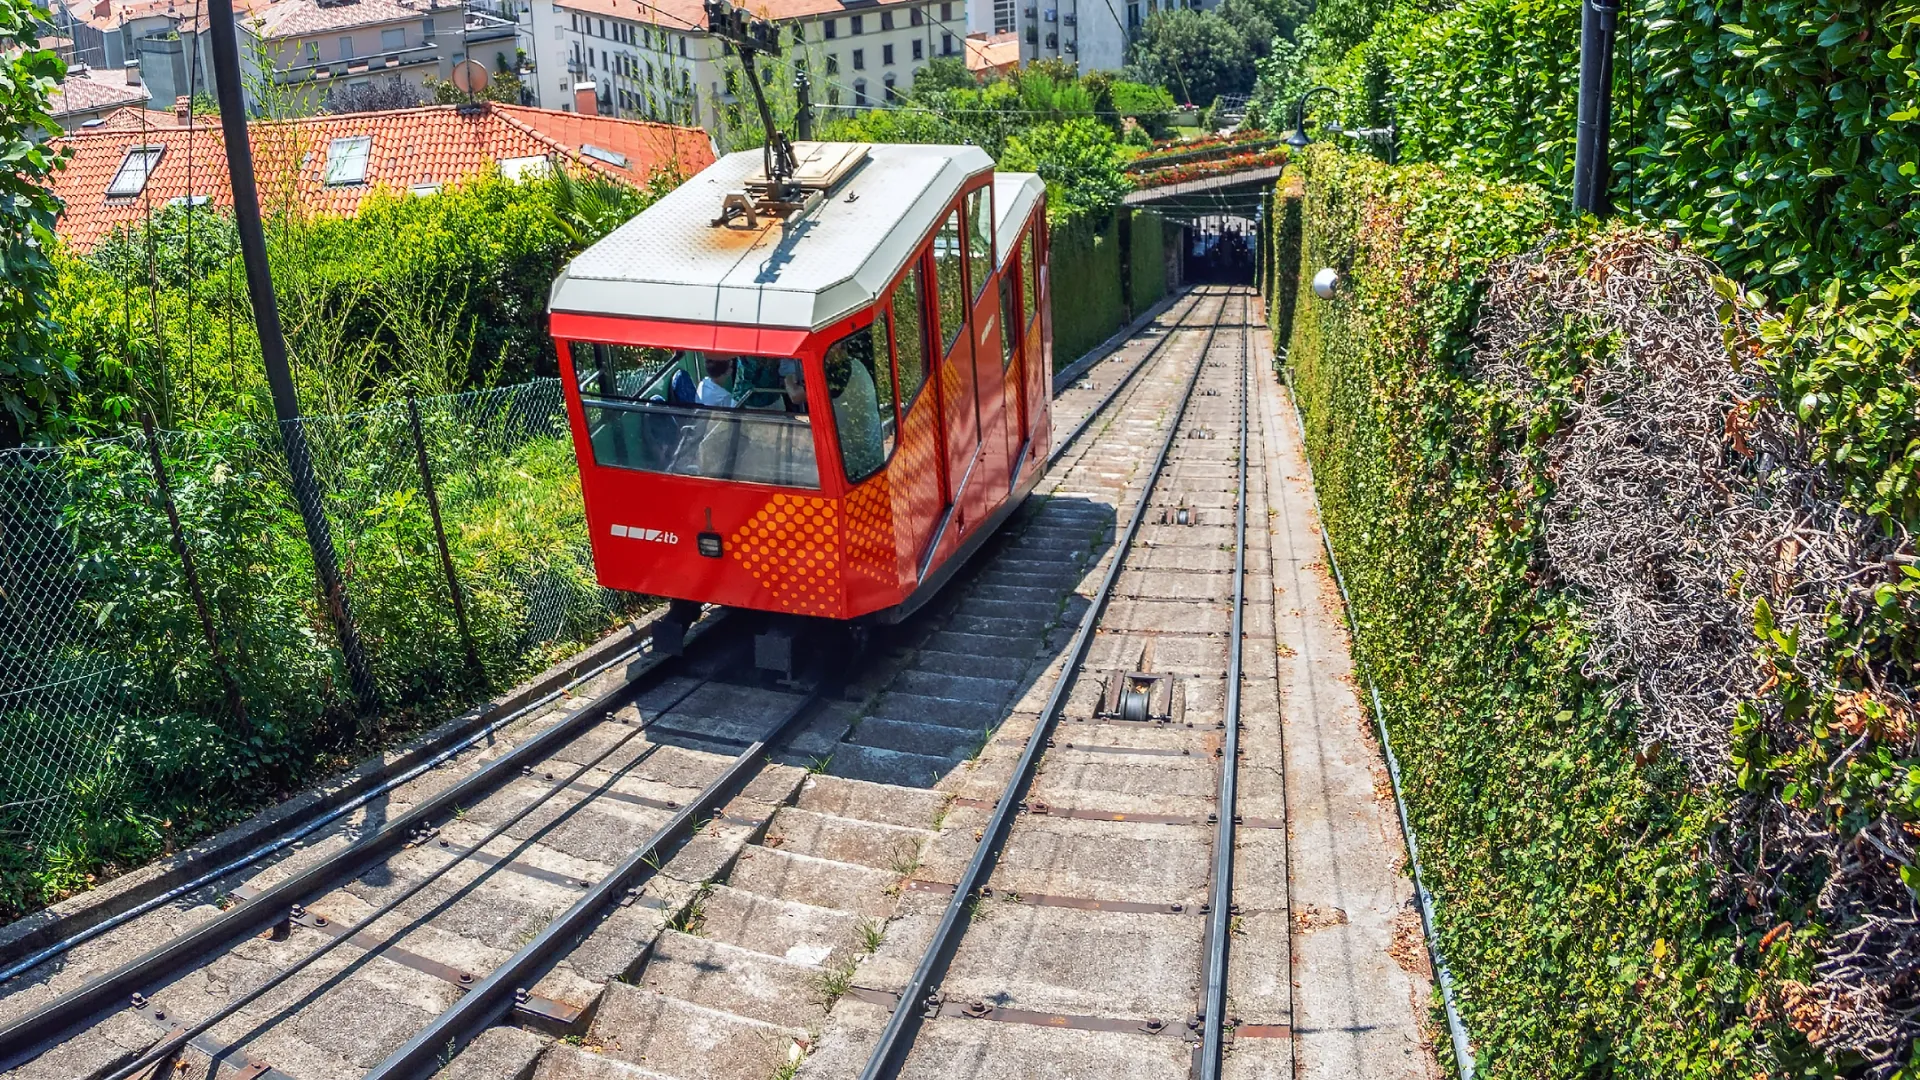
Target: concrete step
(973,665)
(936,740)
(927,709)
(915,808)
(847,840)
(1021,630)
(1042,1053)
(563,1061)
(727,977)
(956,641)
(1037,612)
(891,767)
(802,933)
(955,687)
(1055,581)
(670,1036)
(820,882)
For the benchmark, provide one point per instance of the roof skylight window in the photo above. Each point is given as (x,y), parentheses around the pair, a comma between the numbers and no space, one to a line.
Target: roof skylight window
(611,157)
(347,160)
(135,168)
(525,168)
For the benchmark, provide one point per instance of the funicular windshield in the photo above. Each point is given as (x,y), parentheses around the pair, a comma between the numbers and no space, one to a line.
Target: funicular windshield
(718,416)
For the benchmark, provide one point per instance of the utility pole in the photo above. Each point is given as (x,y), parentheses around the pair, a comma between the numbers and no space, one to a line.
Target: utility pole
(1598,26)
(803,105)
(273,347)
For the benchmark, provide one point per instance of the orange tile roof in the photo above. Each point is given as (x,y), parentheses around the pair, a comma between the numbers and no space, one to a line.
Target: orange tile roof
(997,53)
(298,18)
(435,144)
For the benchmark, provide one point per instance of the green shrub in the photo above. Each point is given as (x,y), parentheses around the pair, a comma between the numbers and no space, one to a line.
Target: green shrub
(1574,892)
(1781,136)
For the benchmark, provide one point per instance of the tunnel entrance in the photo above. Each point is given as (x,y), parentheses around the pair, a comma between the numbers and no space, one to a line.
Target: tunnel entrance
(1219,251)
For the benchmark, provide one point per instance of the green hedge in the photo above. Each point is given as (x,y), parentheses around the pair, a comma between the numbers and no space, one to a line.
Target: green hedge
(1574,894)
(1782,136)
(1088,304)
(1146,261)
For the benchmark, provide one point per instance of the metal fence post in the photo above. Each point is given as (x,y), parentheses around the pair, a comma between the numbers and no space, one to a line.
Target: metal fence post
(236,703)
(440,537)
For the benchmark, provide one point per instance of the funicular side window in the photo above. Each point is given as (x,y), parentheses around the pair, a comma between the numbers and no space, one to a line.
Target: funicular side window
(909,338)
(719,416)
(947,257)
(1010,321)
(861,386)
(980,239)
(1032,305)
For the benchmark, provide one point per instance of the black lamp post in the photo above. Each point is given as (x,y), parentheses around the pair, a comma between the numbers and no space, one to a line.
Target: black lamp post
(1298,140)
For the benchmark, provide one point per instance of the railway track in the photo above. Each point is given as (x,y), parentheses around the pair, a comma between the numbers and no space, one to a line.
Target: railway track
(632,870)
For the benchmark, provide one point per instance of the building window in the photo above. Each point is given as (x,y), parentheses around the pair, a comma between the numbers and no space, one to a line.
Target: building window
(1133,16)
(393,39)
(946,44)
(919,49)
(857,25)
(832,30)
(347,160)
(916,16)
(683,46)
(859,59)
(892,94)
(426,29)
(886,55)
(860,92)
(603,28)
(946,10)
(575,16)
(313,52)
(833,64)
(886,20)
(134,170)
(346,48)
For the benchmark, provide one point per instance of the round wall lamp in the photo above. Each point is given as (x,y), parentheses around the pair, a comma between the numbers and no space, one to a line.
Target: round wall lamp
(1326,282)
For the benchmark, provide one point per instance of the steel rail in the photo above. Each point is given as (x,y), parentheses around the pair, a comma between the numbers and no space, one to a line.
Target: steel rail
(176,1040)
(27,1037)
(1079,429)
(429,1050)
(917,998)
(1219,916)
(286,840)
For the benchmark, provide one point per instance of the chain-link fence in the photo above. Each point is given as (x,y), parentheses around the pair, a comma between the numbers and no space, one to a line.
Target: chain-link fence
(164,641)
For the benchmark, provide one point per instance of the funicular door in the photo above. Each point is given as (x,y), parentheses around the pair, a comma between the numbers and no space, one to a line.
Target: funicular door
(1013,358)
(983,298)
(959,404)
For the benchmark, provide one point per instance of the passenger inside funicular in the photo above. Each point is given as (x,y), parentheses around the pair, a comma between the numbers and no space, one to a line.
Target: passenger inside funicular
(728,416)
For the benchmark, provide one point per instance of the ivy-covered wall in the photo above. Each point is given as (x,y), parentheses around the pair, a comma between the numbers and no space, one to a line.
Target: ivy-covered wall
(1576,870)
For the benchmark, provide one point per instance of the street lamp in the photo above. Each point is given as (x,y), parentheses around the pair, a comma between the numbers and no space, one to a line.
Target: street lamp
(1298,140)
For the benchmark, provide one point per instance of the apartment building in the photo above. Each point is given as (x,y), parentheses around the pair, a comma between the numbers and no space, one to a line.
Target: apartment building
(1091,33)
(655,59)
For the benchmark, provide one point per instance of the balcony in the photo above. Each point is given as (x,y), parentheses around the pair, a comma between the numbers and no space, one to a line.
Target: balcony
(483,27)
(1070,20)
(1071,48)
(1053,41)
(1053,14)
(394,60)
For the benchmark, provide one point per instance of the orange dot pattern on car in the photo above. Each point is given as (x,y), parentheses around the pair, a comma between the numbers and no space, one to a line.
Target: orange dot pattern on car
(870,532)
(792,548)
(915,482)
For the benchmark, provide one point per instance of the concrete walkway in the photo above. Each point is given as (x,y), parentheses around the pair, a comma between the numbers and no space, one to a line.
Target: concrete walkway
(1362,984)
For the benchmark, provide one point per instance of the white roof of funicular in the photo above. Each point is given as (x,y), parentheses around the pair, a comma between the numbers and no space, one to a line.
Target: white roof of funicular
(671,262)
(1013,197)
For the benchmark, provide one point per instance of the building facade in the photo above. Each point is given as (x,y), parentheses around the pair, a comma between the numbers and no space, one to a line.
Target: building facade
(656,60)
(1093,34)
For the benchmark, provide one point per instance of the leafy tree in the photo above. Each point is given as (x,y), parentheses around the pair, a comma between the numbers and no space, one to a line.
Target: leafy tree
(32,373)
(941,74)
(1198,55)
(1079,160)
(502,86)
(1280,78)
(1150,106)
(1339,25)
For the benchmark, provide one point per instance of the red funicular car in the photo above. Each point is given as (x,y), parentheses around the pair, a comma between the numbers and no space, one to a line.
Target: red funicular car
(818,406)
